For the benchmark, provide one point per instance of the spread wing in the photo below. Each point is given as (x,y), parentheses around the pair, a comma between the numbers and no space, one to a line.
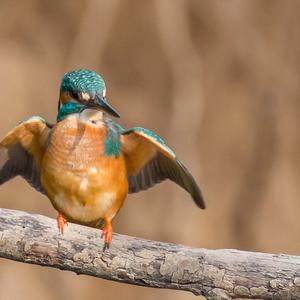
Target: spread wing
(149,161)
(22,149)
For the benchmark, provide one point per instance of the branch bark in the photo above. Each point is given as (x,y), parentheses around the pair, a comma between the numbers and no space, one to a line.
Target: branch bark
(215,274)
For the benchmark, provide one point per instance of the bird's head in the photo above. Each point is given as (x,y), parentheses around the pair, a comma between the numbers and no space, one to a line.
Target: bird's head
(83,89)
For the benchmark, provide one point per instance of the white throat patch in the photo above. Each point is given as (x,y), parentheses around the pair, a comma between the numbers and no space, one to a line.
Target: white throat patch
(91,115)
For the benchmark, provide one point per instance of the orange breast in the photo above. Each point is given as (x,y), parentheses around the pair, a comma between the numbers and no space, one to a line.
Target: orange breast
(81,181)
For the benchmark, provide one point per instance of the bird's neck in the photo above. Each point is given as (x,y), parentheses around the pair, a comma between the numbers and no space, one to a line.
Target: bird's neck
(86,115)
(97,120)
(91,115)
(69,109)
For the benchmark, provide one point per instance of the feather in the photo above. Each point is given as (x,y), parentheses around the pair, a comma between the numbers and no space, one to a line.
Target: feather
(22,149)
(149,161)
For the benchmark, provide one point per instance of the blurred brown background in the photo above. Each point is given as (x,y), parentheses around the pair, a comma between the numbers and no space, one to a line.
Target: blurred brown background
(219,80)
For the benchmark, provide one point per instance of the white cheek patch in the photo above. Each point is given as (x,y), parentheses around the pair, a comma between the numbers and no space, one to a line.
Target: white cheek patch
(85,96)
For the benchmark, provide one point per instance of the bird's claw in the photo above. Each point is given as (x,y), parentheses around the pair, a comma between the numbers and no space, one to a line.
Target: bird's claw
(107,234)
(61,222)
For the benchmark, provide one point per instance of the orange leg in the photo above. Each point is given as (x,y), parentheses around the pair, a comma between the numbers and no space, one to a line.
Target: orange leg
(61,222)
(107,233)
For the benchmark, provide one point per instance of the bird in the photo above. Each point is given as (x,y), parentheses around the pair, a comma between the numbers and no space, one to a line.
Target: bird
(86,163)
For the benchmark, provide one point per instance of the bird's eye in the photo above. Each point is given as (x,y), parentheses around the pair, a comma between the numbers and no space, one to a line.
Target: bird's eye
(74,95)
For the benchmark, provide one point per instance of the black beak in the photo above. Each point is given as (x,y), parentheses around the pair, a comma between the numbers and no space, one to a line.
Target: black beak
(101,103)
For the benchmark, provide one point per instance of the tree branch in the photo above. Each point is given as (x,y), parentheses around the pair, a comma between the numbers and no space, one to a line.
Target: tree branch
(216,274)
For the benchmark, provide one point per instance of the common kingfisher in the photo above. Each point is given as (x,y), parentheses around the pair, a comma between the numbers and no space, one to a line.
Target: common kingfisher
(86,163)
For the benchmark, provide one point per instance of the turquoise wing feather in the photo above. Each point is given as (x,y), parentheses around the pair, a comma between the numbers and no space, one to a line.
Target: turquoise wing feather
(149,161)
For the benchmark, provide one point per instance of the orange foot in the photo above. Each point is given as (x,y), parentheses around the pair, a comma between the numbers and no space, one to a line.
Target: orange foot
(61,222)
(107,233)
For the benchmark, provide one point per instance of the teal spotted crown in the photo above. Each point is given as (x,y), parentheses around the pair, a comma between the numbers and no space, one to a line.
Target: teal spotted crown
(83,80)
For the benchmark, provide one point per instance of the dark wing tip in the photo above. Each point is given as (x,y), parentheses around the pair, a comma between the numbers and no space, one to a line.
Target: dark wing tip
(192,187)
(198,198)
